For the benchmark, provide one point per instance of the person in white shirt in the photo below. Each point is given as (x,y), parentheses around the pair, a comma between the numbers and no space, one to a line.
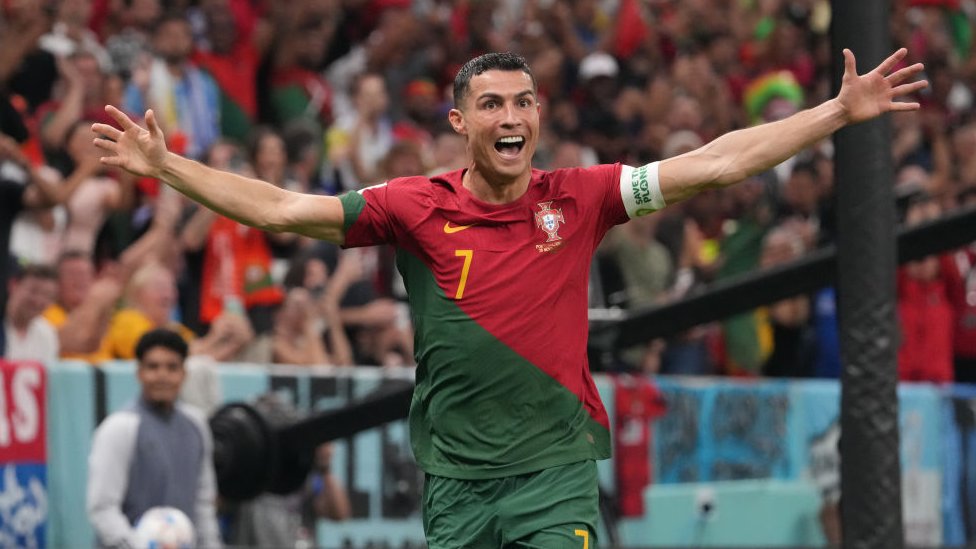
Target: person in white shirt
(29,336)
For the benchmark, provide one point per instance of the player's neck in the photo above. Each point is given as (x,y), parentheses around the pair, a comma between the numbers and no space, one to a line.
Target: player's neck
(493,189)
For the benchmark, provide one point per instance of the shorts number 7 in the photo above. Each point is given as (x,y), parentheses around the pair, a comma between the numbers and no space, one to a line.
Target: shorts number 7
(585,534)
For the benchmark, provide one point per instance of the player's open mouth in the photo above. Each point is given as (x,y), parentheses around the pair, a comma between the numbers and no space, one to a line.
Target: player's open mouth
(510,146)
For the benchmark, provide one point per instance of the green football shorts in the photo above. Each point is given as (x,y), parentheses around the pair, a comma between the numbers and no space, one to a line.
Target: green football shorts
(555,508)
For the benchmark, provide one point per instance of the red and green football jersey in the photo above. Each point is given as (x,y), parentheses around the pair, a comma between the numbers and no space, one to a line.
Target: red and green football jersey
(498,295)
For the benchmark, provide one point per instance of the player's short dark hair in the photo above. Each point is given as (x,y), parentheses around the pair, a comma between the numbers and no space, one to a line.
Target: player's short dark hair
(161,337)
(506,61)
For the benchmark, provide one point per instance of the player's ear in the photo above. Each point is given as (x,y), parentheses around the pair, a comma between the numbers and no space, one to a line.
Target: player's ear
(456,118)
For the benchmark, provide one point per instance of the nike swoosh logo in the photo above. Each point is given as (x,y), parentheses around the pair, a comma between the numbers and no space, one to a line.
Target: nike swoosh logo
(449,229)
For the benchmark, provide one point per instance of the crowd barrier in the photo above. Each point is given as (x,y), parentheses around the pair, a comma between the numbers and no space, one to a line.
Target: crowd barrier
(730,462)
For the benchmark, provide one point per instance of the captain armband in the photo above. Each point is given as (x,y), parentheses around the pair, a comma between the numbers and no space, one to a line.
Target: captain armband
(640,190)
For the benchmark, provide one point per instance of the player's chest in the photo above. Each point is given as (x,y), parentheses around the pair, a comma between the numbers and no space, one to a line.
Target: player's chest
(533,230)
(487,257)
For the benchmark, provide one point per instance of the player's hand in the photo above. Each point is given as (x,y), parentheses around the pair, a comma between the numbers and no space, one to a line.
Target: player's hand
(867,96)
(133,148)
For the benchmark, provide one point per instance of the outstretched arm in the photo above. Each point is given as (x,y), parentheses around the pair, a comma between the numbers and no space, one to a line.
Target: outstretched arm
(256,203)
(740,154)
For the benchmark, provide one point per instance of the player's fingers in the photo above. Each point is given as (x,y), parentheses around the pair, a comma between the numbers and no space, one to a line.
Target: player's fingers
(891,61)
(111,161)
(151,123)
(120,117)
(905,106)
(850,65)
(909,88)
(106,144)
(905,73)
(106,131)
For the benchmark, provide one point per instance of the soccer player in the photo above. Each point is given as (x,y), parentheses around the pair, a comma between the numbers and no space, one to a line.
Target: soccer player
(505,420)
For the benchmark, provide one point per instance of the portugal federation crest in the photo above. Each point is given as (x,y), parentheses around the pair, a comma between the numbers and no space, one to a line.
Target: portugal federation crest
(548,219)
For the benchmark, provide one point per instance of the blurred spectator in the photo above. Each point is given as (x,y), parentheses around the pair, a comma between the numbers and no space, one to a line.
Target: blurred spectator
(449,153)
(801,194)
(22,187)
(423,115)
(961,285)
(28,335)
(964,157)
(128,30)
(269,159)
(87,298)
(787,319)
(82,91)
(379,326)
(319,311)
(571,154)
(924,309)
(96,192)
(304,149)
(601,129)
(783,47)
(644,263)
(230,264)
(232,59)
(184,98)
(27,72)
(745,346)
(151,301)
(38,234)
(154,452)
(194,227)
(298,331)
(70,33)
(84,305)
(645,270)
(404,158)
(360,139)
(304,31)
(774,96)
(237,267)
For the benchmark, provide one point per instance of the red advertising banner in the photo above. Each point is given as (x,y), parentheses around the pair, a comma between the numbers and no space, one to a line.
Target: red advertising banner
(23,386)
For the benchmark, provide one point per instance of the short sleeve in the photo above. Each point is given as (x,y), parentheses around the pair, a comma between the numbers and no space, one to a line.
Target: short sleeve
(367,219)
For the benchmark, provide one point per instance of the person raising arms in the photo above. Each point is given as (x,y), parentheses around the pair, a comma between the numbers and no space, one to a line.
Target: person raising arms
(495,258)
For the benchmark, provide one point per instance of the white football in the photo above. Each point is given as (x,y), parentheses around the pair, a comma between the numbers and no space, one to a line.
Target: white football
(164,528)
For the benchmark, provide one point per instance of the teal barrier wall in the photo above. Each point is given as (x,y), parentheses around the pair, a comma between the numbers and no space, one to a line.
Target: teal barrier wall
(762,450)
(756,513)
(70,422)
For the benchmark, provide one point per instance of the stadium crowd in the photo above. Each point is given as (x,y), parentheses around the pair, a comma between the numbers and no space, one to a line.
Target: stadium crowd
(329,96)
